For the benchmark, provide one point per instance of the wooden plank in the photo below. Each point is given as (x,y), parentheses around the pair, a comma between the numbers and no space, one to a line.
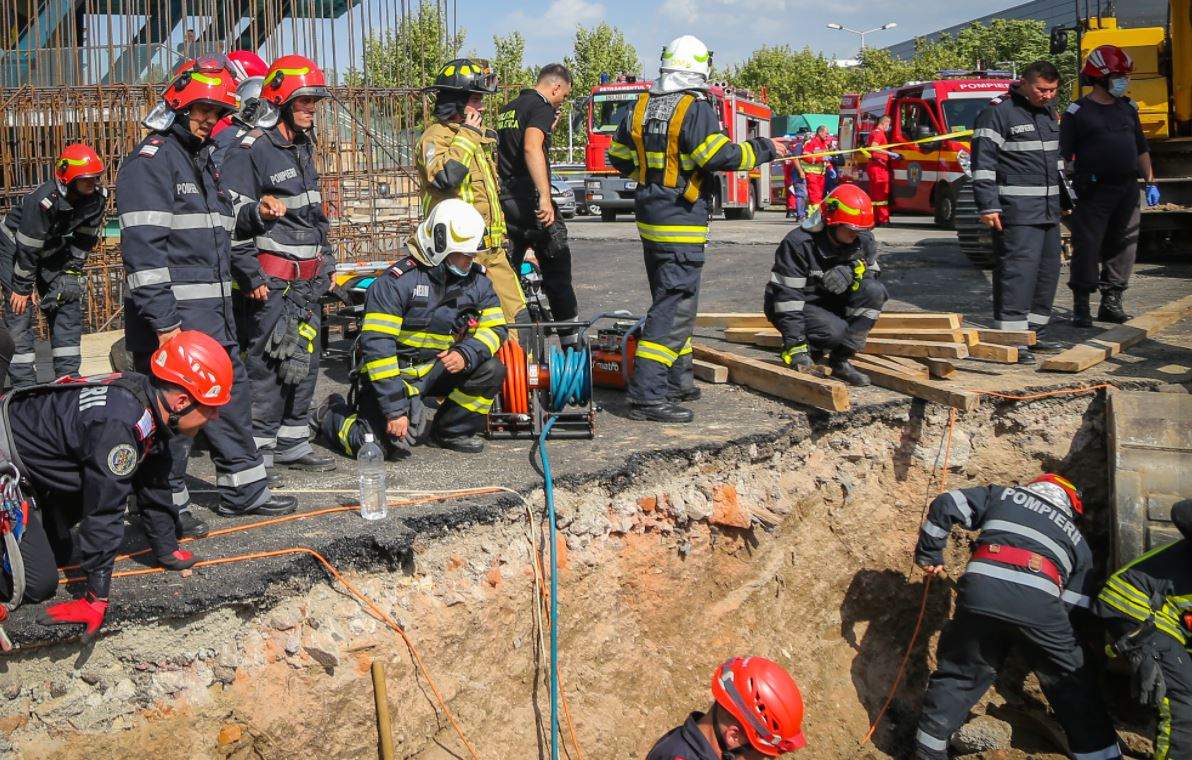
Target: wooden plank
(891,363)
(928,390)
(1117,339)
(920,319)
(709,373)
(993,353)
(915,348)
(731,319)
(914,333)
(778,381)
(940,369)
(767,338)
(970,337)
(1006,337)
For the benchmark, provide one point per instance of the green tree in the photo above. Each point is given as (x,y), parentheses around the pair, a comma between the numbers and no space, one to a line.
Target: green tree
(411,55)
(795,81)
(509,61)
(600,50)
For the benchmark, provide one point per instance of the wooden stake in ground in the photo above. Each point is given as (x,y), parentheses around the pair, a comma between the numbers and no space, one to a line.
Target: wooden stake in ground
(1117,339)
(384,729)
(782,382)
(928,390)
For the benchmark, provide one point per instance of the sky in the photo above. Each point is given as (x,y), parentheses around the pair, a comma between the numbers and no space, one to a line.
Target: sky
(732,28)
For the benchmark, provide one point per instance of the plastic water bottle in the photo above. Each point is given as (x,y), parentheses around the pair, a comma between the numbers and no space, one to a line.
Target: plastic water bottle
(374,504)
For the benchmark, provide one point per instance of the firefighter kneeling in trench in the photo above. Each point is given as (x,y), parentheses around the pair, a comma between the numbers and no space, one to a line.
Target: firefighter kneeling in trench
(432,326)
(823,295)
(1030,567)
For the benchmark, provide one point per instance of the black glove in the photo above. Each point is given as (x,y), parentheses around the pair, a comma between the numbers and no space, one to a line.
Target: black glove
(295,367)
(1146,677)
(555,240)
(838,279)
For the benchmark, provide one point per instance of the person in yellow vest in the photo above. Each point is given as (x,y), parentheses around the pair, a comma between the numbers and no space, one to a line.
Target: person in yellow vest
(673,144)
(455,160)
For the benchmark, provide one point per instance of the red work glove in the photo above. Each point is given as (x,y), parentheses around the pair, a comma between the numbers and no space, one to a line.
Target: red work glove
(180,559)
(88,611)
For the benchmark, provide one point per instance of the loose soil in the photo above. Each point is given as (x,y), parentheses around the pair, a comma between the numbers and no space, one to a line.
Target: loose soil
(657,587)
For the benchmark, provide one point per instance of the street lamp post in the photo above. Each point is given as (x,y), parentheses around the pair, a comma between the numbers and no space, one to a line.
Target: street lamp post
(859,33)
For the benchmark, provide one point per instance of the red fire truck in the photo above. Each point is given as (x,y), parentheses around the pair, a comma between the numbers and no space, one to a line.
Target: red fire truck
(926,177)
(738,194)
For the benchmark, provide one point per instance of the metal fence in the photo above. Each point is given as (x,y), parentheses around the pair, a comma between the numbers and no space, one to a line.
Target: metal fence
(90,70)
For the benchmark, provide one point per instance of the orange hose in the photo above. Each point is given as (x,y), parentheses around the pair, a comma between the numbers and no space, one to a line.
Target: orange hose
(943,484)
(514,395)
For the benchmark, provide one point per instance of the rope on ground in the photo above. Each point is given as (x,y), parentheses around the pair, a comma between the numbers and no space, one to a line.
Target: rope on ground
(946,446)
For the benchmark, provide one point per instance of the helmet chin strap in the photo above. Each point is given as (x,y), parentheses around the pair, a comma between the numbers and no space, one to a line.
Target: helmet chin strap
(725,753)
(174,416)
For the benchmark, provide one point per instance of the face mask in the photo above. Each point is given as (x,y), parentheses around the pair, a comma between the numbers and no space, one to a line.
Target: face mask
(1118,86)
(456,270)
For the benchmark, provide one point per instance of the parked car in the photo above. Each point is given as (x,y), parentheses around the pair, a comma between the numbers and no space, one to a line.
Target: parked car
(563,196)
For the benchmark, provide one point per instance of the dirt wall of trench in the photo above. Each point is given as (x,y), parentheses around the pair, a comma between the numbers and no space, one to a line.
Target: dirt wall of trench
(657,585)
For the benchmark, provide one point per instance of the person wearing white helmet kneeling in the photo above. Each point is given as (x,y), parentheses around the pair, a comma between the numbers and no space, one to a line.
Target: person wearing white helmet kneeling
(432,327)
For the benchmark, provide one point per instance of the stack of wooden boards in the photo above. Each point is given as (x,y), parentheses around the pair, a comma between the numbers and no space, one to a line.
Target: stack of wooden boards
(908,352)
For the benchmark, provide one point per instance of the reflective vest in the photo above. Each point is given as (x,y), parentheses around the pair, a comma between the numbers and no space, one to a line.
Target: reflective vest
(670,161)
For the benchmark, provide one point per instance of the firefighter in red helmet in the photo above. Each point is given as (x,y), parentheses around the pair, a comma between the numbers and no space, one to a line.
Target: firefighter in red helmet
(1106,153)
(824,295)
(44,243)
(285,271)
(1030,567)
(757,712)
(177,223)
(107,442)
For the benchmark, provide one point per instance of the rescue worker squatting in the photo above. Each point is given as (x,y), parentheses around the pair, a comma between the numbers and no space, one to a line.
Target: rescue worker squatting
(673,144)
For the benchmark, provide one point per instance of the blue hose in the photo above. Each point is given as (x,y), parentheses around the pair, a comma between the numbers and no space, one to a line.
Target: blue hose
(570,383)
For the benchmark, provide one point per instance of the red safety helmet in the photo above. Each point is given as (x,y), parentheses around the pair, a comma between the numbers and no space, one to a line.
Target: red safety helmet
(848,205)
(765,700)
(246,64)
(202,80)
(1107,61)
(77,161)
(293,76)
(1068,487)
(197,363)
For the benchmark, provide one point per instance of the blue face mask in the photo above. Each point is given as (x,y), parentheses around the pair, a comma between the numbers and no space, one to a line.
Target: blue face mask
(455,270)
(1118,86)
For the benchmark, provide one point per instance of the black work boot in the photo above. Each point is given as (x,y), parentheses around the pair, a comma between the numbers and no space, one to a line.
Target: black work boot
(684,394)
(186,525)
(842,370)
(1082,314)
(1111,307)
(276,505)
(311,462)
(1026,355)
(660,411)
(464,444)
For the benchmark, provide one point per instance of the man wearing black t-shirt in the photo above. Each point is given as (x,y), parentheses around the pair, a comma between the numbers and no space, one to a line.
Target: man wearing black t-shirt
(524,127)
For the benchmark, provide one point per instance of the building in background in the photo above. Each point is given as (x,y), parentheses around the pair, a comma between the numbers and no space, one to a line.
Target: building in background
(1053,13)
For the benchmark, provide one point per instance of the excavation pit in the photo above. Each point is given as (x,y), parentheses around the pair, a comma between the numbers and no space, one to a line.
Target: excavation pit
(795,544)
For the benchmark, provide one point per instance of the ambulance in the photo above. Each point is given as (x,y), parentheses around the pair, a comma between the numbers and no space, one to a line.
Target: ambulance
(742,116)
(925,179)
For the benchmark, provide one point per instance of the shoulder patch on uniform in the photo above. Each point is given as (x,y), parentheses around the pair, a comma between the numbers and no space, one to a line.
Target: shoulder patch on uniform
(422,290)
(145,426)
(1073,107)
(251,137)
(89,397)
(998,99)
(408,264)
(147,150)
(47,203)
(122,459)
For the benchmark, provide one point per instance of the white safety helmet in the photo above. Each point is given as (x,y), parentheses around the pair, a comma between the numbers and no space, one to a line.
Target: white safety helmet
(686,54)
(453,226)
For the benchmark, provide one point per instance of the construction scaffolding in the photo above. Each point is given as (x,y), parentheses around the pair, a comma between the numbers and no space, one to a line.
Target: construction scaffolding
(90,70)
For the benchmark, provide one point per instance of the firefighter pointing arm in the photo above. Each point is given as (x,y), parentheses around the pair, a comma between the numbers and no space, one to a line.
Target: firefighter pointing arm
(673,145)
